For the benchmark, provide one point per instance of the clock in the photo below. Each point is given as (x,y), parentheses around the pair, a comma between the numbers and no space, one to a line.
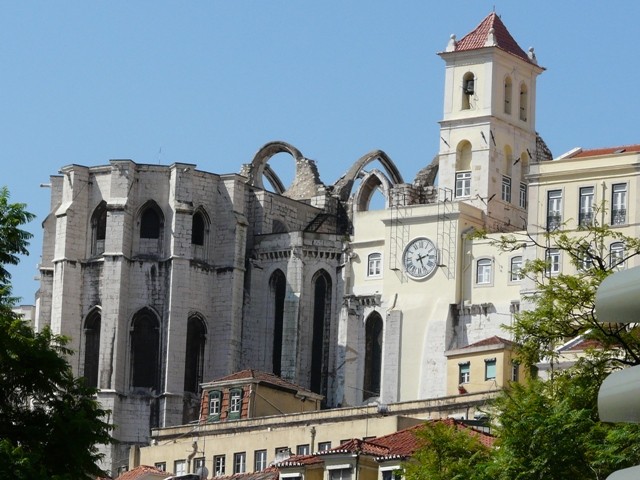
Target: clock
(420,258)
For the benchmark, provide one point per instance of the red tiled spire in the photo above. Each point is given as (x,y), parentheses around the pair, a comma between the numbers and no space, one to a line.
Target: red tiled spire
(477,38)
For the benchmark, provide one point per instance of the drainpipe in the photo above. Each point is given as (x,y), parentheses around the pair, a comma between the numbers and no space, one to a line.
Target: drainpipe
(194,445)
(312,447)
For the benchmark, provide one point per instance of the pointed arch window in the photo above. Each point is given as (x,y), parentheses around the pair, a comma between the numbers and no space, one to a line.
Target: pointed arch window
(524,102)
(145,346)
(92,348)
(98,229)
(194,355)
(321,329)
(151,229)
(150,223)
(373,356)
(278,288)
(198,229)
(508,93)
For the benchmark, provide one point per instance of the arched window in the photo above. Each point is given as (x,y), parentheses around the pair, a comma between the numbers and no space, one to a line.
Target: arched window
(506,174)
(198,229)
(194,355)
(508,92)
(98,229)
(150,224)
(616,255)
(278,288)
(145,346)
(372,356)
(92,348)
(524,102)
(151,229)
(468,89)
(463,169)
(321,328)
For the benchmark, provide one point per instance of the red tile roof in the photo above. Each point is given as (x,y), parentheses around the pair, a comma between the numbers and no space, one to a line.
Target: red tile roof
(259,376)
(365,447)
(605,151)
(299,461)
(270,473)
(477,38)
(495,340)
(144,472)
(584,344)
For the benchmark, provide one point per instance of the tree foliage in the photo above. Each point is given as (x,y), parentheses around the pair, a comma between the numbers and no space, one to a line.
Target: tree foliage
(50,421)
(447,453)
(563,304)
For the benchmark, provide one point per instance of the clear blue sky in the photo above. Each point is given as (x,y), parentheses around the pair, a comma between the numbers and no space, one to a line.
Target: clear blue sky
(211,82)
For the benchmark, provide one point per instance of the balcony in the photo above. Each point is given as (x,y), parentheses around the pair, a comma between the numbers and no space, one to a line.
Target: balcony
(585,219)
(618,216)
(554,221)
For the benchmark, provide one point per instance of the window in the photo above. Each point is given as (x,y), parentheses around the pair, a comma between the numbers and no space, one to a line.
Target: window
(394,474)
(372,356)
(340,474)
(554,209)
(161,466)
(515,371)
(619,204)
(145,344)
(616,255)
(516,266)
(260,460)
(483,271)
(490,369)
(468,89)
(277,290)
(585,216)
(180,467)
(92,348)
(198,228)
(302,449)
(98,229)
(506,188)
(508,87)
(553,261)
(523,195)
(215,397)
(463,184)
(524,101)
(323,446)
(150,223)
(219,465)
(464,372)
(194,358)
(239,462)
(585,261)
(319,347)
(375,264)
(198,463)
(235,403)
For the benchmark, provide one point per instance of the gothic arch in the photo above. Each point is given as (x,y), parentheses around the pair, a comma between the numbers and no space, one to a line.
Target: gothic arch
(145,350)
(372,356)
(259,166)
(92,346)
(99,228)
(194,352)
(344,185)
(371,182)
(277,292)
(321,285)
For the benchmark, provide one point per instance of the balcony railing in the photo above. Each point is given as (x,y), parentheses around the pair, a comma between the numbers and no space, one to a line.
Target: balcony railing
(585,218)
(554,221)
(618,216)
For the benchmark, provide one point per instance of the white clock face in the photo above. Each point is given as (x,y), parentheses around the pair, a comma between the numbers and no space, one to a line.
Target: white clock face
(420,258)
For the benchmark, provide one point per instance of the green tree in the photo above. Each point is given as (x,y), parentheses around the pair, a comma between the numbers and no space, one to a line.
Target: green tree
(446,452)
(50,421)
(564,303)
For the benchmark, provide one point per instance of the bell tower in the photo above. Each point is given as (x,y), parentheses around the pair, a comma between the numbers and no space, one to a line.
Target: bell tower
(487,133)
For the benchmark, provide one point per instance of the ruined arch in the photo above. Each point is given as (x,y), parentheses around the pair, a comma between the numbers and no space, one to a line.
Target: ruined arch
(259,165)
(99,228)
(145,350)
(194,352)
(344,185)
(371,182)
(372,356)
